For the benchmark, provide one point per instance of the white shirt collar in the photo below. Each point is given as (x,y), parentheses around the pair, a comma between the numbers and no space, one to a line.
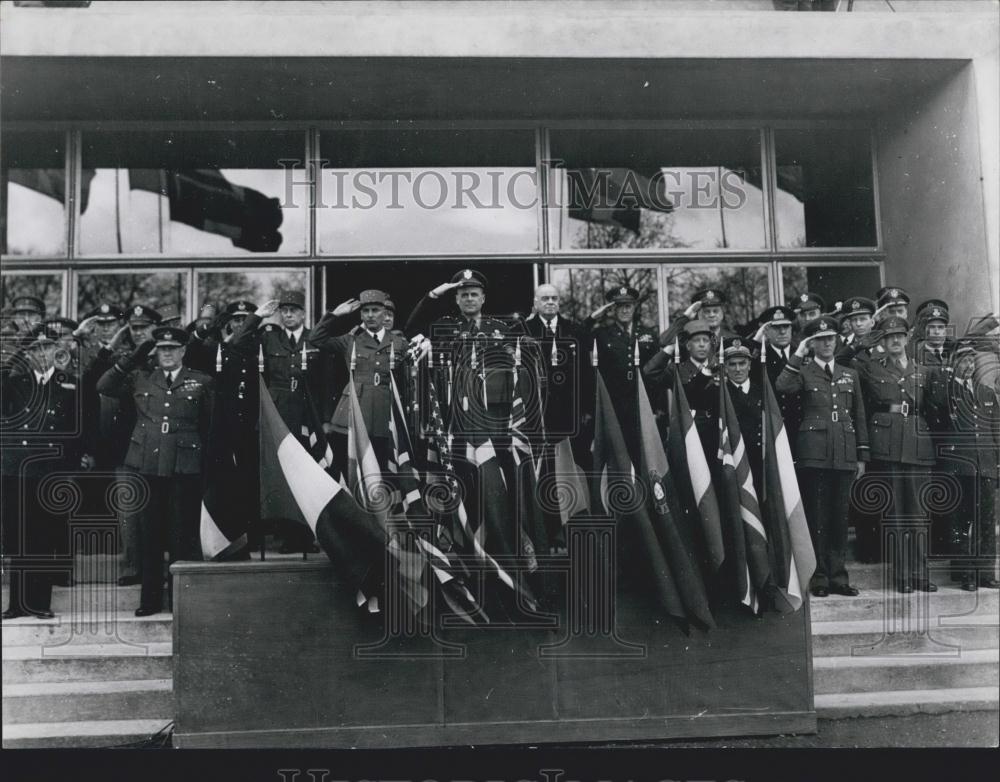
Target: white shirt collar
(44,377)
(744,386)
(820,363)
(550,324)
(297,333)
(378,334)
(698,364)
(783,352)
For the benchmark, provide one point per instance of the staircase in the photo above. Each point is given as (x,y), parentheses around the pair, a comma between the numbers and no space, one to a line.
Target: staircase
(106,680)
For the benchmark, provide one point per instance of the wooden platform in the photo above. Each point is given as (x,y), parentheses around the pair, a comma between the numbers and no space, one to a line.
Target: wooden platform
(276,654)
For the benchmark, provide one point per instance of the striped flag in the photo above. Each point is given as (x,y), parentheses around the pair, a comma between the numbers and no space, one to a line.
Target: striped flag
(747,549)
(225,509)
(686,450)
(791,553)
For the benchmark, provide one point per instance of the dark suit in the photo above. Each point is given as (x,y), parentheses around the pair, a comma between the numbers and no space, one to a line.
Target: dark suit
(832,439)
(701,390)
(167,450)
(790,405)
(749,409)
(43,435)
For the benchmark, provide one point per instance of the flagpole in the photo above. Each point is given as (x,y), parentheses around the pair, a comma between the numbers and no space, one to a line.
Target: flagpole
(118,222)
(763,419)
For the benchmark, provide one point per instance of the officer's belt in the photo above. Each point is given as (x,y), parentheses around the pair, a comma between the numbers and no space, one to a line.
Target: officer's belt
(285,386)
(835,415)
(702,414)
(902,409)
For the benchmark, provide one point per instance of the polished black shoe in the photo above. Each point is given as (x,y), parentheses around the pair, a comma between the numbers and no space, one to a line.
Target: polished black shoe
(146,611)
(989,582)
(904,589)
(844,589)
(925,586)
(46,614)
(969,585)
(125,581)
(13,613)
(820,591)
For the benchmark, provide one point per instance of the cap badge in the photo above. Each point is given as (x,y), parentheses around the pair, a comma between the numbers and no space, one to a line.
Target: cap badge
(893,293)
(622,291)
(855,305)
(710,296)
(467,274)
(137,310)
(804,297)
(936,312)
(736,343)
(105,309)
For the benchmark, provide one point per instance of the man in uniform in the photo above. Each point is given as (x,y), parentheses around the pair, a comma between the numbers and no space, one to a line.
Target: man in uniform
(831,448)
(624,346)
(713,313)
(43,433)
(28,312)
(748,401)
(863,341)
(775,336)
(174,407)
(930,343)
(807,307)
(891,302)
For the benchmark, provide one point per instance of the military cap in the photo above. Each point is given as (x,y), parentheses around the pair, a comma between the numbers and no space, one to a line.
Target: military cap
(894,325)
(776,316)
(372,296)
(39,339)
(240,308)
(143,314)
(60,327)
(389,304)
(292,299)
(858,305)
(734,347)
(710,297)
(891,295)
(935,312)
(28,304)
(470,278)
(809,301)
(107,313)
(694,327)
(940,303)
(623,293)
(820,327)
(167,336)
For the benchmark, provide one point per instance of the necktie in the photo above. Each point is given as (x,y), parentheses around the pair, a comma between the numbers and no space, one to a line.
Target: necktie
(170,378)
(291,339)
(829,372)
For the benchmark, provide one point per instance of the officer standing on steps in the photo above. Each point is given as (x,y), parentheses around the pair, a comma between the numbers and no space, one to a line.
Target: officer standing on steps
(831,448)
(775,338)
(748,402)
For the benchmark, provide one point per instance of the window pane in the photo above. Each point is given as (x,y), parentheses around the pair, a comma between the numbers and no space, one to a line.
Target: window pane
(206,193)
(427,191)
(582,290)
(824,195)
(222,288)
(33,189)
(164,291)
(656,189)
(833,283)
(47,287)
(745,288)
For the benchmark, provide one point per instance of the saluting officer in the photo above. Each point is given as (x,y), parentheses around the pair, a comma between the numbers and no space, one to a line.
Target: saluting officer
(807,306)
(863,341)
(748,401)
(369,354)
(831,448)
(892,302)
(27,312)
(174,407)
(44,432)
(775,334)
(902,452)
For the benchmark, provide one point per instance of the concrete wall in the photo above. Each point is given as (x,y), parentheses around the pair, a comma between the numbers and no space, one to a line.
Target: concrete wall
(931,181)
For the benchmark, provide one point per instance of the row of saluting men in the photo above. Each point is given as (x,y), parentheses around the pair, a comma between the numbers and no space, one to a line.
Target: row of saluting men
(895,399)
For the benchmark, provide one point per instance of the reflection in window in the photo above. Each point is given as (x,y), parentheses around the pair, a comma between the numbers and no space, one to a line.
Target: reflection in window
(164,291)
(833,283)
(824,194)
(33,194)
(47,287)
(656,189)
(427,191)
(221,288)
(582,290)
(745,288)
(187,193)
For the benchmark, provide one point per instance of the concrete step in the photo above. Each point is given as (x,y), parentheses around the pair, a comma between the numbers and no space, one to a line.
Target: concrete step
(941,607)
(92,602)
(86,663)
(86,701)
(124,628)
(879,672)
(900,703)
(97,733)
(867,636)
(879,575)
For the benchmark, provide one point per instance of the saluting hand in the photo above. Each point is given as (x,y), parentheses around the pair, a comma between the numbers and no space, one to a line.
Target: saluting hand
(693,309)
(601,310)
(443,288)
(86,326)
(118,340)
(761,335)
(803,349)
(346,308)
(267,309)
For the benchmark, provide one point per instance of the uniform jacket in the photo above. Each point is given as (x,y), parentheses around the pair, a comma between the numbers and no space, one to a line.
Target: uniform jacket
(172,423)
(283,373)
(616,356)
(115,417)
(833,434)
(749,408)
(895,437)
(568,392)
(790,404)
(43,427)
(236,386)
(701,390)
(371,372)
(969,441)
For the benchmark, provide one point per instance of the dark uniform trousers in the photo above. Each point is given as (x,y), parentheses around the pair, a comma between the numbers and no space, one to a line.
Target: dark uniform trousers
(902,453)
(42,437)
(832,439)
(166,450)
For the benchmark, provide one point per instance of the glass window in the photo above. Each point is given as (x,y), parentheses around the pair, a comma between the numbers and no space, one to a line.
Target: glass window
(582,290)
(745,288)
(223,287)
(165,291)
(656,189)
(187,193)
(33,193)
(427,191)
(824,193)
(833,283)
(47,287)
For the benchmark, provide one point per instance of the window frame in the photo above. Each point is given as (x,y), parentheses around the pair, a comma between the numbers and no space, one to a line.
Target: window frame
(62,273)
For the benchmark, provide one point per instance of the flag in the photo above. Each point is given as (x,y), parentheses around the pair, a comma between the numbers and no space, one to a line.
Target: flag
(225,504)
(747,549)
(570,488)
(615,196)
(530,522)
(52,182)
(686,451)
(792,558)
(204,199)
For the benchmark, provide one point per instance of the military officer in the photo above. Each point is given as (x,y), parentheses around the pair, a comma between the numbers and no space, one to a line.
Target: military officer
(28,311)
(369,355)
(96,329)
(863,341)
(775,336)
(43,432)
(891,302)
(390,314)
(831,448)
(174,407)
(713,313)
(624,346)
(931,343)
(807,306)
(748,401)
